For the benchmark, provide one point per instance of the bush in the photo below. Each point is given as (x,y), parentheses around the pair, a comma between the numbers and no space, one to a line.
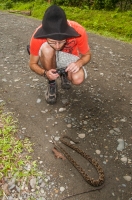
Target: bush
(76,3)
(123,5)
(8,4)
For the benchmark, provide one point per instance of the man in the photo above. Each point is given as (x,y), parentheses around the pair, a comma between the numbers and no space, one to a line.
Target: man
(59,44)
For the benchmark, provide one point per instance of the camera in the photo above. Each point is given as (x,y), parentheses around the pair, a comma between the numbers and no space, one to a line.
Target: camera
(61,71)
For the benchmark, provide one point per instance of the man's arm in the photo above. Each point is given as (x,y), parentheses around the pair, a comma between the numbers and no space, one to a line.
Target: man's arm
(33,64)
(75,67)
(84,59)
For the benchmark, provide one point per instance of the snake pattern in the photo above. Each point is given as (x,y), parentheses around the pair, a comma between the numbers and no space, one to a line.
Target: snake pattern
(91,181)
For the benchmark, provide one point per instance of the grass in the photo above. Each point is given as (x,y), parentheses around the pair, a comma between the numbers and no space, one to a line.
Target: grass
(108,23)
(14,153)
(111,24)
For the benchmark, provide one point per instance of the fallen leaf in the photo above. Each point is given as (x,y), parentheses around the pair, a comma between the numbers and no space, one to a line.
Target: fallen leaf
(58,154)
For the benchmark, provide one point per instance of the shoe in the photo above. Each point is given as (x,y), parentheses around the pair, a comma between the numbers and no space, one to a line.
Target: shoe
(50,95)
(65,83)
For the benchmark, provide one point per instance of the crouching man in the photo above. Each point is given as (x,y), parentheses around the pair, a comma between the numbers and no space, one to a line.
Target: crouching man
(61,47)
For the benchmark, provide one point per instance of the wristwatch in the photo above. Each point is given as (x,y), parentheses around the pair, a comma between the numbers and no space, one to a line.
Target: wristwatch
(45,72)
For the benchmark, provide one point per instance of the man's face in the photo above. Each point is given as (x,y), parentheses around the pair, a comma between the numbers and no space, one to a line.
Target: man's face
(56,44)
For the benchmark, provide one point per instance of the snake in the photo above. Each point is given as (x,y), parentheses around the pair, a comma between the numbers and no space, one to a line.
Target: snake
(87,178)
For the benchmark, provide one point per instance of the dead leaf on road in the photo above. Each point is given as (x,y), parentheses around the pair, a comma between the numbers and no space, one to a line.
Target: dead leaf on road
(58,154)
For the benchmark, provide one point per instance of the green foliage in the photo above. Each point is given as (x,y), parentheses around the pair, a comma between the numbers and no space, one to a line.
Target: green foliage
(23,6)
(15,159)
(110,4)
(76,3)
(39,9)
(109,23)
(96,4)
(121,5)
(8,4)
(13,152)
(129,13)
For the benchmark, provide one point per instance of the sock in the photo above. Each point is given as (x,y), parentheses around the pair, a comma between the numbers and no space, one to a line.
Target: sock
(52,82)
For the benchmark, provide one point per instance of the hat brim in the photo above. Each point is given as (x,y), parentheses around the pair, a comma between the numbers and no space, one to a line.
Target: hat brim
(69,33)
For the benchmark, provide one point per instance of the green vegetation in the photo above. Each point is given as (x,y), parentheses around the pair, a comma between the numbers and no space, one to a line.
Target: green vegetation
(108,23)
(14,153)
(122,5)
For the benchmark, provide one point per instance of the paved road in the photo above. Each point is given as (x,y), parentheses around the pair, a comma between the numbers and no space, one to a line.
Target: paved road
(101,109)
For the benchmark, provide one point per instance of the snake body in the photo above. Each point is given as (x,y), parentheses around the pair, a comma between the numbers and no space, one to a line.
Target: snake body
(87,178)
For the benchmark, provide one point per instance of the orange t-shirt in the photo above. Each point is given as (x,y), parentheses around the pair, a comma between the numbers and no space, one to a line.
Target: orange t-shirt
(73,45)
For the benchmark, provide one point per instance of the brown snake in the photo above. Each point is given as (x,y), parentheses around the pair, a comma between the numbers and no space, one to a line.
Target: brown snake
(98,168)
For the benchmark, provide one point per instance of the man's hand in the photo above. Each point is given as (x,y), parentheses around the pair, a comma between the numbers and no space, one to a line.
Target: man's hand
(52,75)
(76,66)
(73,67)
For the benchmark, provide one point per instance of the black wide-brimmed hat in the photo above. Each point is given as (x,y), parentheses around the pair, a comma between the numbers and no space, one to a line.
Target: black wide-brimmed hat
(55,26)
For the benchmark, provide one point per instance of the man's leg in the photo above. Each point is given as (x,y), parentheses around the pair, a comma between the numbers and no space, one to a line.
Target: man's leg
(65,82)
(78,77)
(48,61)
(47,56)
(63,60)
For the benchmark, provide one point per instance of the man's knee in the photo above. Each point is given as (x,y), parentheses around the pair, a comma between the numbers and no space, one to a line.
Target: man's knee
(46,50)
(77,78)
